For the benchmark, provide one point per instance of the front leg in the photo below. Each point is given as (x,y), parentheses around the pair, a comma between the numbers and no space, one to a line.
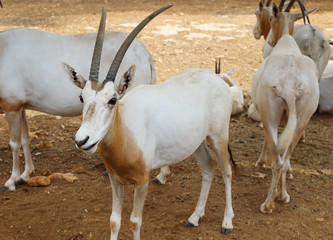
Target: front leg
(29,165)
(140,193)
(117,206)
(14,124)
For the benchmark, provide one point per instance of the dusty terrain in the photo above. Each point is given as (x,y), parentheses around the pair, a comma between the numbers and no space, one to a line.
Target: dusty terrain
(190,35)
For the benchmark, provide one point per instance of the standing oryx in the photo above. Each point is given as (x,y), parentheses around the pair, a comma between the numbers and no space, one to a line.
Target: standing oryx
(153,126)
(32,77)
(285,87)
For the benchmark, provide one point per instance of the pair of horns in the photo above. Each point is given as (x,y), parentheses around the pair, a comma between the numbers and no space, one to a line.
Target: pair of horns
(267,3)
(95,63)
(291,3)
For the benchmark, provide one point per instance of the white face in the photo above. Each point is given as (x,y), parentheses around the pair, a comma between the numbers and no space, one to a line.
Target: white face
(98,101)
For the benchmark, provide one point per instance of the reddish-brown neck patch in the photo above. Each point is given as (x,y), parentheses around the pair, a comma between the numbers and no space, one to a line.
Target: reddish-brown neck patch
(121,155)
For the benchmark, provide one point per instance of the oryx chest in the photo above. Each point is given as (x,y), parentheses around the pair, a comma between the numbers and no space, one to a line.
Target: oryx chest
(121,155)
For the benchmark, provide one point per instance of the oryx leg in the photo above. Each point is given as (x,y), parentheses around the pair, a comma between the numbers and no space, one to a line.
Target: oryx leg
(205,160)
(161,177)
(220,147)
(29,165)
(140,193)
(14,120)
(117,206)
(262,161)
(303,119)
(271,120)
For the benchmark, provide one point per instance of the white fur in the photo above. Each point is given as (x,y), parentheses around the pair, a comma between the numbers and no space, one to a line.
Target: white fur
(326,89)
(32,77)
(284,86)
(236,92)
(166,123)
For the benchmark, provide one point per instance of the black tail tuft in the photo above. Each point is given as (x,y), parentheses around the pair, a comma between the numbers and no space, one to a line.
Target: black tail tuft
(233,164)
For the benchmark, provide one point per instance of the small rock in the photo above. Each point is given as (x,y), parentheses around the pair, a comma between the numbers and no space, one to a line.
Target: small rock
(39,181)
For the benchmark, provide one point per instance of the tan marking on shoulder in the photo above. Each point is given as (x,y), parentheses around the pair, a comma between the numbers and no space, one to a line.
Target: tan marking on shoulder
(121,155)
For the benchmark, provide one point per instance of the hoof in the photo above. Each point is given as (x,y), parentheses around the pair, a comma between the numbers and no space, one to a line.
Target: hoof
(156,181)
(226,231)
(4,189)
(265,209)
(289,175)
(189,225)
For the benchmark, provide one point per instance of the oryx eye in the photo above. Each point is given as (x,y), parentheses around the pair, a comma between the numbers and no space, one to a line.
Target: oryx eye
(81,98)
(112,101)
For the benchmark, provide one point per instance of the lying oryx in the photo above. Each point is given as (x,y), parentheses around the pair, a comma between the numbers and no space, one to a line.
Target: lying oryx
(32,77)
(326,90)
(153,126)
(285,86)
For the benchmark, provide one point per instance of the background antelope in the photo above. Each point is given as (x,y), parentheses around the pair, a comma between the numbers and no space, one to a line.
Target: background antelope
(32,77)
(285,86)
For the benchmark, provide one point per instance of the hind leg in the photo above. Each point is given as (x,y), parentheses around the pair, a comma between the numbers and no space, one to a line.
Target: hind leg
(271,118)
(205,160)
(220,146)
(161,177)
(302,121)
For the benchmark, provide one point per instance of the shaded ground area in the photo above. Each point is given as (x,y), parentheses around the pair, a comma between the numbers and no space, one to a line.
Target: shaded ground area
(189,35)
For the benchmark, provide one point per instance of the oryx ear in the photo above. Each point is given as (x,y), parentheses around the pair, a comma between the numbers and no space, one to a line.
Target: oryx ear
(76,78)
(126,80)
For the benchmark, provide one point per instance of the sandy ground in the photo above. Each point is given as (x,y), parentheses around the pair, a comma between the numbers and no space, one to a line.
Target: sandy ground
(190,35)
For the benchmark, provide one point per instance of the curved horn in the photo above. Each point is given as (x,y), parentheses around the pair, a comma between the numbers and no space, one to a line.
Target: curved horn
(291,3)
(123,48)
(96,59)
(268,3)
(300,3)
(281,5)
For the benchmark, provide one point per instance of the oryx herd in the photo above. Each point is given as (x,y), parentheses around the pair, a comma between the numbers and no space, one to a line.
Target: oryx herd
(137,125)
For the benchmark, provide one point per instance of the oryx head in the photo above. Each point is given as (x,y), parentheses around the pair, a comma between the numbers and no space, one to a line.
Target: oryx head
(263,14)
(282,22)
(100,98)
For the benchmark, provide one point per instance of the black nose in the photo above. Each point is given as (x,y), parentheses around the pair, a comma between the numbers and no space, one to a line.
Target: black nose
(82,142)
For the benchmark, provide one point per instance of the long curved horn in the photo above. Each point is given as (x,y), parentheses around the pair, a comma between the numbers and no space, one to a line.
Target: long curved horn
(300,3)
(281,5)
(96,59)
(123,48)
(291,3)
(268,3)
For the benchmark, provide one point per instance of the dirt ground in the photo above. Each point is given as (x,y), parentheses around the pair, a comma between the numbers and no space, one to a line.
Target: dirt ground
(190,35)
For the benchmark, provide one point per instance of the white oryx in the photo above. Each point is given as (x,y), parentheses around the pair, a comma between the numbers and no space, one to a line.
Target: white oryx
(237,108)
(285,87)
(32,77)
(153,126)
